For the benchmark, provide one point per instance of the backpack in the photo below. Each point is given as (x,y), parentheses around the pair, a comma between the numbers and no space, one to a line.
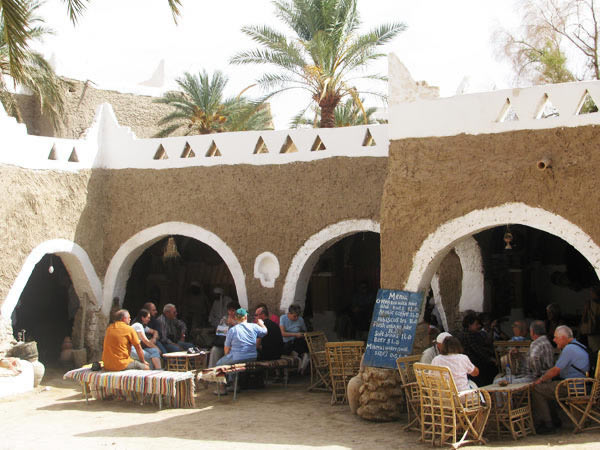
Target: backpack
(591,358)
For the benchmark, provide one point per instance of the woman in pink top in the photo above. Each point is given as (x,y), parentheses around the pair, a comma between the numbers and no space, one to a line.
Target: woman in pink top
(460,365)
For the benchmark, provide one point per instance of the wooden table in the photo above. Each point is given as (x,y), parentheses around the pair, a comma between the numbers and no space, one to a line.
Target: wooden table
(184,361)
(511,410)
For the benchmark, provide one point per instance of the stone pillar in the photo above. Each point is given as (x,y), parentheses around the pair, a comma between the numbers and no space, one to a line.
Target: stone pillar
(381,397)
(7,339)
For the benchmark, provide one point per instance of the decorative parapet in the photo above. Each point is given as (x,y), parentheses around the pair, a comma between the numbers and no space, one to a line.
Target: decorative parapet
(538,107)
(106,144)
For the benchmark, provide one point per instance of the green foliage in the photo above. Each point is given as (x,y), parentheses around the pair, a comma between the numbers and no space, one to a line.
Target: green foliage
(199,107)
(34,72)
(347,114)
(324,54)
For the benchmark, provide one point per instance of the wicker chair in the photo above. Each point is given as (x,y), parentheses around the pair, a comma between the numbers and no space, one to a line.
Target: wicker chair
(517,361)
(319,367)
(344,363)
(447,416)
(580,400)
(411,391)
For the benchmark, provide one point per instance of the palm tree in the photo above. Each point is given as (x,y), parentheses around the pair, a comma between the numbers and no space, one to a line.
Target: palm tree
(347,114)
(200,108)
(323,56)
(14,15)
(35,72)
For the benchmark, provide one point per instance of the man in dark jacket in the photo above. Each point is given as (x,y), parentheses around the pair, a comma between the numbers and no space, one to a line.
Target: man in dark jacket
(271,346)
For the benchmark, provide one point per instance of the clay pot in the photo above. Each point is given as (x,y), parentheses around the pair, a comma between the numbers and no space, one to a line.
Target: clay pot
(66,352)
(24,350)
(353,391)
(38,372)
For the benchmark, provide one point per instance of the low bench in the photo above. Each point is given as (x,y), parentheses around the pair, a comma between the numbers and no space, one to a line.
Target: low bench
(176,389)
(218,374)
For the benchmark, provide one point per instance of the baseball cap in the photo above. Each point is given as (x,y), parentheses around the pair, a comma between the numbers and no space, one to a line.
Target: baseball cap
(241,312)
(442,336)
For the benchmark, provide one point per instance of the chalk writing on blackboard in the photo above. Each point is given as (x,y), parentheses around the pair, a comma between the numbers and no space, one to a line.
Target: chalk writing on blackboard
(393,327)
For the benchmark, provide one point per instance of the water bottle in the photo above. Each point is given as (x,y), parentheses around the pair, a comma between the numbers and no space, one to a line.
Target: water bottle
(508,373)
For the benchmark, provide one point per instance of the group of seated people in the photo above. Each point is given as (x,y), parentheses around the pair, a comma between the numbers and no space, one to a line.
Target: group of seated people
(140,344)
(471,360)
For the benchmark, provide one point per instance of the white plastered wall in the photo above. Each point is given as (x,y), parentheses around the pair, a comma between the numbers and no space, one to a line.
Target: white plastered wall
(472,284)
(77,262)
(303,263)
(117,274)
(452,234)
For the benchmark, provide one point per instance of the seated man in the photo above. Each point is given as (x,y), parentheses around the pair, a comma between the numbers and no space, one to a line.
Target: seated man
(573,362)
(519,329)
(539,358)
(118,340)
(171,330)
(271,346)
(292,329)
(434,350)
(240,343)
(228,320)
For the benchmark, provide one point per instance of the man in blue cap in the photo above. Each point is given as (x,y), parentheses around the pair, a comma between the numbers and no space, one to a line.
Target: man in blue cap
(240,343)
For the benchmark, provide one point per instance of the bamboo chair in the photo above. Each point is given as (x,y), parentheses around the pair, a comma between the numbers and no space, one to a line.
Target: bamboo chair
(344,363)
(518,362)
(411,391)
(447,416)
(319,367)
(580,400)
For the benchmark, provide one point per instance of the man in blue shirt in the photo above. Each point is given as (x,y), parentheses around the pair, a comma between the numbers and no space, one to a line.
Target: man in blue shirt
(240,343)
(573,362)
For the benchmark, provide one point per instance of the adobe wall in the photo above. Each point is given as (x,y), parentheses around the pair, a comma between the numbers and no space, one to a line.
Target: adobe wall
(138,112)
(433,180)
(253,209)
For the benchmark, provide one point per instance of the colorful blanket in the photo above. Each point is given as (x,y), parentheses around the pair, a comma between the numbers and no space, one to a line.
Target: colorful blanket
(175,389)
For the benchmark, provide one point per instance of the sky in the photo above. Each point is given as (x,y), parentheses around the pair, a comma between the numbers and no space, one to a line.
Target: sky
(119,43)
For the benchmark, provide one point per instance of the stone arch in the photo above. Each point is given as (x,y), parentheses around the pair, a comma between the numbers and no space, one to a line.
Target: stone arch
(455,233)
(77,262)
(117,274)
(303,263)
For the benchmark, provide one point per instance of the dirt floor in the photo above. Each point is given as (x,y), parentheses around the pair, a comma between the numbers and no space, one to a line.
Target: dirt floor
(56,415)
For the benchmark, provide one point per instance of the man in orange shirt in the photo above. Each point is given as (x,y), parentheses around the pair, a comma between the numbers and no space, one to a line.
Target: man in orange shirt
(117,345)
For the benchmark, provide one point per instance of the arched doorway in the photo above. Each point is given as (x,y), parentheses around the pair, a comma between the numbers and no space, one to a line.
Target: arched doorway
(343,285)
(183,271)
(547,240)
(527,269)
(119,269)
(46,308)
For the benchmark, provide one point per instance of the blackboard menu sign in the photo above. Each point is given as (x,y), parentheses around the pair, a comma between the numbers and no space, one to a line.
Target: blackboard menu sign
(393,328)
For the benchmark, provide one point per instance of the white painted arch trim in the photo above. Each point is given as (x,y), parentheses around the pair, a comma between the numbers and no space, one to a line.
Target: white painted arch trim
(427,259)
(77,262)
(303,263)
(117,274)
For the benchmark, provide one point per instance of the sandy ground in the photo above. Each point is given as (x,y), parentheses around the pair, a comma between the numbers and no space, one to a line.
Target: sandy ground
(57,416)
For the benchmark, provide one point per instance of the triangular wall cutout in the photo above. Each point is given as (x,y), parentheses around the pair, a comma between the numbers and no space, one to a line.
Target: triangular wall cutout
(161,153)
(260,147)
(73,157)
(547,109)
(368,141)
(52,155)
(288,146)
(318,145)
(508,114)
(587,105)
(187,151)
(213,150)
